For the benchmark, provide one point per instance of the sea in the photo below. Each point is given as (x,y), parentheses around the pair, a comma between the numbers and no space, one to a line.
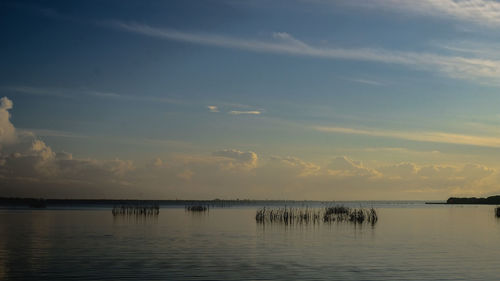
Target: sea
(410,241)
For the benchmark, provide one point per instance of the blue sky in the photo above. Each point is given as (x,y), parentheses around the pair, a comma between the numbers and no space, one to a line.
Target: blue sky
(204,85)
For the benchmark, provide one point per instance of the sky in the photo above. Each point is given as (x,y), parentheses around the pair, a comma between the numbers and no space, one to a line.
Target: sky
(296,99)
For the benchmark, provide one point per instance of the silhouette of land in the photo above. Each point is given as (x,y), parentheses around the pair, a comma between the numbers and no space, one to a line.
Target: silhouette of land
(492,200)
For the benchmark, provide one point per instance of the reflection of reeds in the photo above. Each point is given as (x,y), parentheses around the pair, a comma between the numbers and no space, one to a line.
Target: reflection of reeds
(329,214)
(137,210)
(197,208)
(497,212)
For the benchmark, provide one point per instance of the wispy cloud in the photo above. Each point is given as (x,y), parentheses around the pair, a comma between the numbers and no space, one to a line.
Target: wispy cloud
(249,112)
(439,137)
(483,12)
(471,48)
(75,93)
(111,95)
(364,81)
(37,91)
(50,133)
(213,108)
(466,68)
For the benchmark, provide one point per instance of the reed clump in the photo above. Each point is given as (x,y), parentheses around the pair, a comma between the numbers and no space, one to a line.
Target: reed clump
(497,212)
(196,208)
(342,214)
(137,210)
(328,214)
(288,215)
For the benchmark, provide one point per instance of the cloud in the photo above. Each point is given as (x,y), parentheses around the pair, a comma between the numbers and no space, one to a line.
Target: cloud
(249,112)
(405,170)
(472,69)
(75,93)
(401,150)
(30,167)
(49,133)
(439,137)
(364,81)
(238,158)
(341,178)
(296,166)
(142,98)
(212,108)
(7,130)
(437,174)
(342,166)
(482,12)
(186,175)
(42,165)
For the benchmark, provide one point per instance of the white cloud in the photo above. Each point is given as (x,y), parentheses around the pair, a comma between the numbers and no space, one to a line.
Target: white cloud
(7,130)
(41,165)
(238,158)
(298,166)
(364,81)
(213,108)
(186,175)
(440,137)
(342,166)
(30,167)
(248,112)
(473,69)
(482,12)
(405,170)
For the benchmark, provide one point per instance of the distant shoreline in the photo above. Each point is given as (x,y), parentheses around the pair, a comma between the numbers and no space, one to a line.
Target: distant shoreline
(42,203)
(492,200)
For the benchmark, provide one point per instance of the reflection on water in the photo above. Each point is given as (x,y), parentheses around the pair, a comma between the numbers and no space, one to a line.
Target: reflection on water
(127,219)
(407,243)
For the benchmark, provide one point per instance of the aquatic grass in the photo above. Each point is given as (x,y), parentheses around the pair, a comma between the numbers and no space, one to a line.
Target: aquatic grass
(288,215)
(341,214)
(327,215)
(137,210)
(337,210)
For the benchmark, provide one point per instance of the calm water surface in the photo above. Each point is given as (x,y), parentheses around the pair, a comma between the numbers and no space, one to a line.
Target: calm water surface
(409,242)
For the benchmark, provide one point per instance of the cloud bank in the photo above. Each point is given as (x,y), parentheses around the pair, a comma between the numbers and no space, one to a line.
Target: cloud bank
(31,168)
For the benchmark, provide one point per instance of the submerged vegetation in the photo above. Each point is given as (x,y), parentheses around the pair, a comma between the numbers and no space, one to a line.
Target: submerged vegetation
(197,208)
(328,214)
(137,210)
